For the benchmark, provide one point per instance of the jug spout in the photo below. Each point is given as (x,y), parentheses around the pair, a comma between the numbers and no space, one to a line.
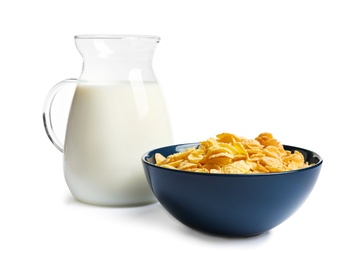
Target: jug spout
(114,57)
(116,46)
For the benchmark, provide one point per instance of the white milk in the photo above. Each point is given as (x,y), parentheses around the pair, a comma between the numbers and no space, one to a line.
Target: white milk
(110,127)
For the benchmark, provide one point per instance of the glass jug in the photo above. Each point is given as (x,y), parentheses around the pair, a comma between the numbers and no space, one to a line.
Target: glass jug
(117,114)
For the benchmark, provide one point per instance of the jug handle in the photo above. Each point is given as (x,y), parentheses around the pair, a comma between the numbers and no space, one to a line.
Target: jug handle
(47,120)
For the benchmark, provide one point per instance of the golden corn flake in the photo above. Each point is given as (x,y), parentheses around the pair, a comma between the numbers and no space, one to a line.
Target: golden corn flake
(228,153)
(159,158)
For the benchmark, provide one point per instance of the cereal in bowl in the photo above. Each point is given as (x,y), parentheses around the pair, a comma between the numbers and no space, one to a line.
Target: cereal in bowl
(228,153)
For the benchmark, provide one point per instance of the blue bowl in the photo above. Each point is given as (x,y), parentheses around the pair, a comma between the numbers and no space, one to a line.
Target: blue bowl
(230,204)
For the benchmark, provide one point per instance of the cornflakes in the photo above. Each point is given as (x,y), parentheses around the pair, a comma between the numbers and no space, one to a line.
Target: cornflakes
(228,153)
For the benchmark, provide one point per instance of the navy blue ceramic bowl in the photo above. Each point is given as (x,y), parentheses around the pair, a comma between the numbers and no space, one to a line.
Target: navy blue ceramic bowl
(230,204)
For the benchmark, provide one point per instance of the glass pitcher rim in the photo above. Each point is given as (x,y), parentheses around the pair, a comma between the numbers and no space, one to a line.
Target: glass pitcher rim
(117,36)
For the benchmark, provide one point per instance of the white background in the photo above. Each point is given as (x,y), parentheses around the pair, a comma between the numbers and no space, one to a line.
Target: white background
(238,66)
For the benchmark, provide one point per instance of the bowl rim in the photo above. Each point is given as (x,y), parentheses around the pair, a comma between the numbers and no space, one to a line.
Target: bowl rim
(147,155)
